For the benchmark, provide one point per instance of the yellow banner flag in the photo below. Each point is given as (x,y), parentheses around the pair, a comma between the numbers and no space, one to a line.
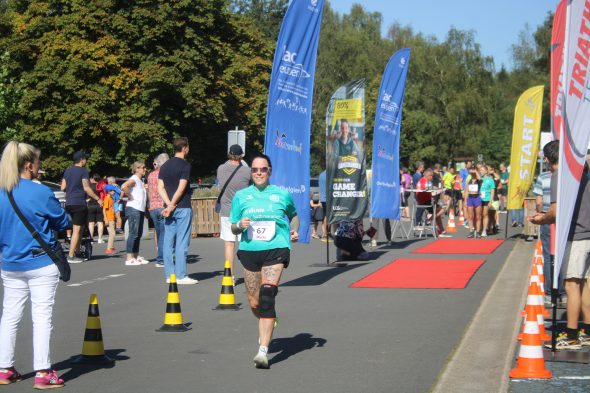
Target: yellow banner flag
(525,145)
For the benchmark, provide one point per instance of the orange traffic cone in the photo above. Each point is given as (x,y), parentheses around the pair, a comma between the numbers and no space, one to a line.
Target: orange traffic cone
(534,305)
(530,363)
(541,278)
(537,291)
(451,223)
(539,249)
(461,217)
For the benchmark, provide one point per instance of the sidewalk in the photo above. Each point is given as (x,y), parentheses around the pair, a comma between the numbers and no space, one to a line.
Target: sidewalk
(486,352)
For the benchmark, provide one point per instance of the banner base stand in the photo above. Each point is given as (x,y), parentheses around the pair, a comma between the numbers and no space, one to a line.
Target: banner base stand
(565,356)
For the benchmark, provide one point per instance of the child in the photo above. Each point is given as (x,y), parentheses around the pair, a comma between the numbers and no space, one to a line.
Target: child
(108,209)
(118,204)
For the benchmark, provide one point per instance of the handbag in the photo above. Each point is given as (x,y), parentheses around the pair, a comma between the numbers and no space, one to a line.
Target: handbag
(218,201)
(56,254)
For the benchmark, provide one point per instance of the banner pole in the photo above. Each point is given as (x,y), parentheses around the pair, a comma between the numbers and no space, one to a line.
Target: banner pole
(328,246)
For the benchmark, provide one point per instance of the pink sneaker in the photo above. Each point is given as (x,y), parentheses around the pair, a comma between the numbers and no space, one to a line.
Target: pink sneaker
(8,376)
(48,381)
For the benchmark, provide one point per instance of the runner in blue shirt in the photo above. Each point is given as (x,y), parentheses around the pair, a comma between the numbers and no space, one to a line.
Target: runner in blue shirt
(261,213)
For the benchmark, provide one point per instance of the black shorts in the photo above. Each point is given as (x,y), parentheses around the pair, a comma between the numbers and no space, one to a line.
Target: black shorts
(449,192)
(78,213)
(95,213)
(458,195)
(254,260)
(324,208)
(485,203)
(405,198)
(503,191)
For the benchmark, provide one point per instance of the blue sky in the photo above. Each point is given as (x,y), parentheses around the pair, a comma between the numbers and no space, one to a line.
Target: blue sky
(497,23)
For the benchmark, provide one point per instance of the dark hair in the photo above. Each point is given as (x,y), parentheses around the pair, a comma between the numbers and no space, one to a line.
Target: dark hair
(180,143)
(551,152)
(264,156)
(96,177)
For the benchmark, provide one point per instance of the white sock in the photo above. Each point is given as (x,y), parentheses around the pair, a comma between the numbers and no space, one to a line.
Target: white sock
(262,350)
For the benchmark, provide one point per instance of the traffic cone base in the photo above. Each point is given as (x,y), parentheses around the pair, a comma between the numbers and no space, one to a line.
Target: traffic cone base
(93,346)
(173,317)
(227,298)
(530,363)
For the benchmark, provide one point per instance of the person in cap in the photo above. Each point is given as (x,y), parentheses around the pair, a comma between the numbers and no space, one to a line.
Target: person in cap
(76,184)
(232,176)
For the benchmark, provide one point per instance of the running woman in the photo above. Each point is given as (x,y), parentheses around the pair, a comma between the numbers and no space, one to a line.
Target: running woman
(258,213)
(488,186)
(473,202)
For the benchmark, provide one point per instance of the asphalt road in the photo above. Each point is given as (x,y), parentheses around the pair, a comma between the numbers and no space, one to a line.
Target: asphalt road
(331,338)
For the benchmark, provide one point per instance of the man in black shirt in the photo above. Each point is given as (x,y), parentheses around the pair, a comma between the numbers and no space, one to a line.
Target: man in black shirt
(77,187)
(173,187)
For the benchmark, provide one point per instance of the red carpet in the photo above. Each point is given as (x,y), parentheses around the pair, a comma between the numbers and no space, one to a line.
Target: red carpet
(422,273)
(460,246)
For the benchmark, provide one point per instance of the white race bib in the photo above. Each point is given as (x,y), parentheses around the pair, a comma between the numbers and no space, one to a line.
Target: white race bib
(472,187)
(261,230)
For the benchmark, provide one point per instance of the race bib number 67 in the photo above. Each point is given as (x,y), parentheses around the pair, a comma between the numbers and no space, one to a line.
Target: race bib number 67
(261,230)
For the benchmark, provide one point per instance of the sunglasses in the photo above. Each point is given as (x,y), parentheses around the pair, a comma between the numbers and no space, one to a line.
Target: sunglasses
(264,169)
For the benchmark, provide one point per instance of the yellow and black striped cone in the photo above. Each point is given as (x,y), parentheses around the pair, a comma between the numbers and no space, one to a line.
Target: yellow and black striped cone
(173,316)
(227,298)
(93,347)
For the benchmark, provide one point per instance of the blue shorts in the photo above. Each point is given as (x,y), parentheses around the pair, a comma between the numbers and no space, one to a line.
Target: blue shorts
(118,207)
(474,201)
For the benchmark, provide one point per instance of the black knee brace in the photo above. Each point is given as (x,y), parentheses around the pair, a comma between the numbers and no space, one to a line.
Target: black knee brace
(266,302)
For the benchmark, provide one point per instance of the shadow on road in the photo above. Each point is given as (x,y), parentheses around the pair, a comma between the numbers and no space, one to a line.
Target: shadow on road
(205,275)
(81,369)
(289,346)
(320,277)
(193,258)
(402,244)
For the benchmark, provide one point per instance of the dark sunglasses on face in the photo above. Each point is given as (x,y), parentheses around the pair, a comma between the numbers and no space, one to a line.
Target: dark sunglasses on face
(264,169)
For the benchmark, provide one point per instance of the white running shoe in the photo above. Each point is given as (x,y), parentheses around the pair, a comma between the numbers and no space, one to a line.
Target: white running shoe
(100,241)
(75,260)
(142,260)
(132,262)
(261,360)
(186,280)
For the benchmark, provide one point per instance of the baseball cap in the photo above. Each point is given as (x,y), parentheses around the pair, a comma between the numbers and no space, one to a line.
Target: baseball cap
(80,155)
(236,150)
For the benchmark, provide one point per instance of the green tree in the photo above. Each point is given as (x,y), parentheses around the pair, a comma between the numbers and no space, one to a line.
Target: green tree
(121,78)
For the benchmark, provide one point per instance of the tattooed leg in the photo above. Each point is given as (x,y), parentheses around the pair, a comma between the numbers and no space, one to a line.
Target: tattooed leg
(270,275)
(252,283)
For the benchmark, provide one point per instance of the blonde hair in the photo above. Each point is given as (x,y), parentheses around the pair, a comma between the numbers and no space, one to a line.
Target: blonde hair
(136,165)
(14,158)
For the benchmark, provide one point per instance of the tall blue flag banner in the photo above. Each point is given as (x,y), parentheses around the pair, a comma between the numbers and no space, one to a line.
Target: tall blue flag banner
(385,190)
(346,176)
(288,118)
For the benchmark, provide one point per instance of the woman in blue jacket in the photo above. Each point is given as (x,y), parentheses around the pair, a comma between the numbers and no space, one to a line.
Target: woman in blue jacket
(26,269)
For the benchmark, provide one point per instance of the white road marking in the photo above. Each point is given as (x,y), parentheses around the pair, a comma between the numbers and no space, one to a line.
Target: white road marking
(86,282)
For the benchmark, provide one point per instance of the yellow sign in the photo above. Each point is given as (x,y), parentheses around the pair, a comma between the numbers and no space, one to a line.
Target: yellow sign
(525,145)
(351,110)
